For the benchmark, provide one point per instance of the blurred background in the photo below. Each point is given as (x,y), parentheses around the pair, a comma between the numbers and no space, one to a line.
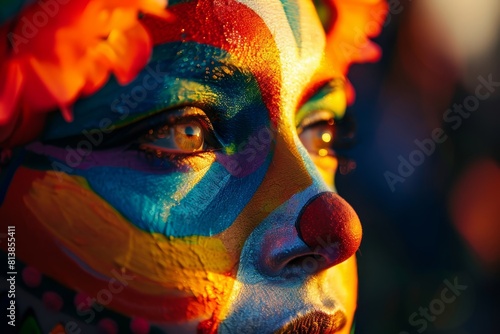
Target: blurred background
(427,179)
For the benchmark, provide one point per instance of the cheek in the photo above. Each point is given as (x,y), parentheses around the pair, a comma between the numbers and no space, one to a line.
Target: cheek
(149,200)
(327,166)
(343,279)
(71,234)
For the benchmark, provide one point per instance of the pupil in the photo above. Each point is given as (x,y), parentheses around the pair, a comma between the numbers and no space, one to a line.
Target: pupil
(191,131)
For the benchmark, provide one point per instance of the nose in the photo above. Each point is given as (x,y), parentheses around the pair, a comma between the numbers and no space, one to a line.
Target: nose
(328,225)
(326,232)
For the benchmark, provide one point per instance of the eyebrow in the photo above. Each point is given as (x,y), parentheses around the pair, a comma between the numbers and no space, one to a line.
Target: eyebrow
(319,86)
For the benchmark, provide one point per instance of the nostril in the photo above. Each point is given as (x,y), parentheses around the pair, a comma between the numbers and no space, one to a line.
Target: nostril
(305,265)
(284,252)
(330,227)
(294,259)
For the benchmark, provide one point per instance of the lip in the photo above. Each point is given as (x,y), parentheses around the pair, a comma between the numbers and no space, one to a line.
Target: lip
(315,323)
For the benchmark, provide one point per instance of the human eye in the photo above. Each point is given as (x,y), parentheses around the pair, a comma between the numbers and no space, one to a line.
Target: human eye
(317,132)
(182,132)
(326,128)
(328,140)
(168,138)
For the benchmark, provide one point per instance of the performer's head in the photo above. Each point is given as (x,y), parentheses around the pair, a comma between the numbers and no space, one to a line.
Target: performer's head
(203,190)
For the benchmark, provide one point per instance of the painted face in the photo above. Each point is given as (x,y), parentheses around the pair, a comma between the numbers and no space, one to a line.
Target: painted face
(199,197)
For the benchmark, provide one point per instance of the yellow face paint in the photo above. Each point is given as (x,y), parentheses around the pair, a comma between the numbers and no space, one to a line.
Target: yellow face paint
(103,240)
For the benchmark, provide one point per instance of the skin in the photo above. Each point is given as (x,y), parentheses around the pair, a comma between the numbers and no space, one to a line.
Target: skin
(213,238)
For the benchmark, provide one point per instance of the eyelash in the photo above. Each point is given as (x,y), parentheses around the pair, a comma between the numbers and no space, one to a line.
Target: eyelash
(132,137)
(210,143)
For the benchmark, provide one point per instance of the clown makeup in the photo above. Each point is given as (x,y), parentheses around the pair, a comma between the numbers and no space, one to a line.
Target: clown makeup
(207,183)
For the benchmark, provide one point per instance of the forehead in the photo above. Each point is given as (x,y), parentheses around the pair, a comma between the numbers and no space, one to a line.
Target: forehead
(280,42)
(293,24)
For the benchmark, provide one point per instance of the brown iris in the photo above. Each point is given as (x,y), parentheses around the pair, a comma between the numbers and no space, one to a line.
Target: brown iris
(318,137)
(188,136)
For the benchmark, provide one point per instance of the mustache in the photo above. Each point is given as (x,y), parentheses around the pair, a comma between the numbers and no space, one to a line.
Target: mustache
(316,322)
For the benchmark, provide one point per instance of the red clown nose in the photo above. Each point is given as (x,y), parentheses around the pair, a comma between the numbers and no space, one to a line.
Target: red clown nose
(330,227)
